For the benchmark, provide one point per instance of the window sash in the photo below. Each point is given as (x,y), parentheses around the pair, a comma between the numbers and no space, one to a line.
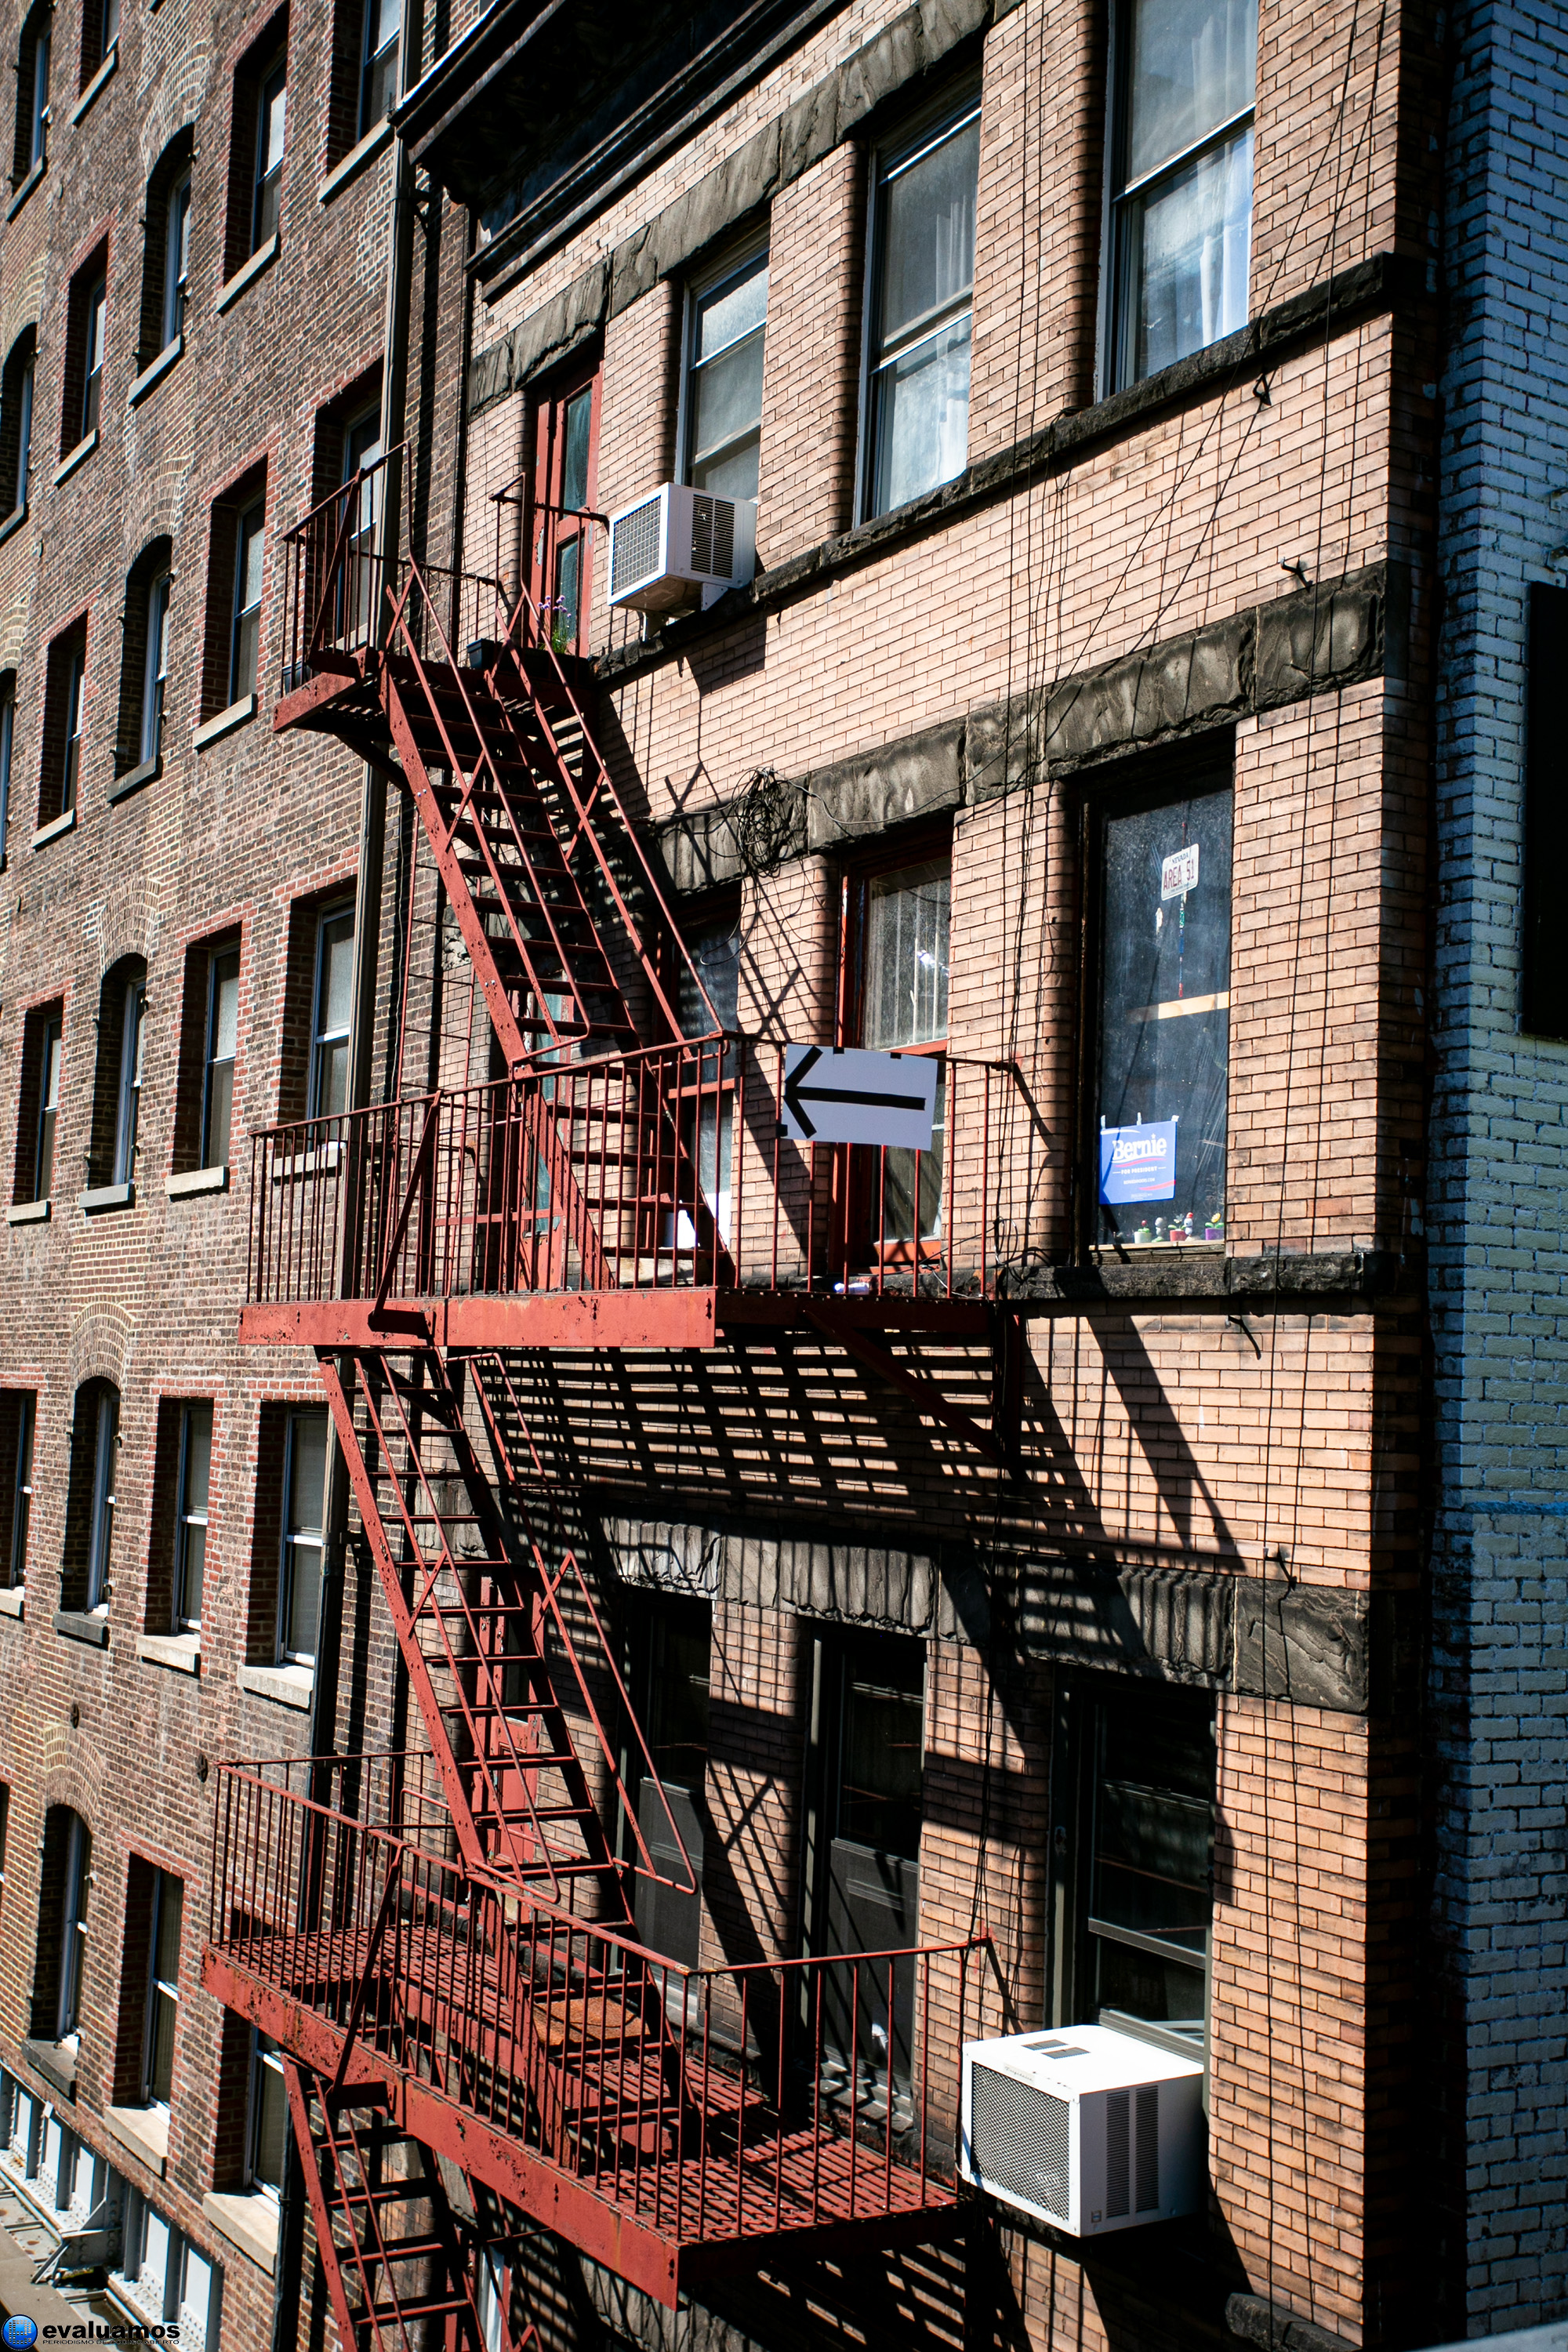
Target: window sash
(162,1990)
(128,1108)
(223,1022)
(93,355)
(73,698)
(73,1931)
(378,73)
(40,116)
(176,259)
(24,435)
(101,1530)
(913,442)
(329,1031)
(267,2121)
(191,1521)
(304,1552)
(22,1495)
(719,463)
(249,549)
(156,670)
(270,134)
(48,1107)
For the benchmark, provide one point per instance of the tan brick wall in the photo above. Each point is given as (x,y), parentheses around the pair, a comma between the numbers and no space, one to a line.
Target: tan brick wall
(812,357)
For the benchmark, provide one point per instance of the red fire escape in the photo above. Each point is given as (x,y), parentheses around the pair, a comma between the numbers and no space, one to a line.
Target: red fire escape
(442,1941)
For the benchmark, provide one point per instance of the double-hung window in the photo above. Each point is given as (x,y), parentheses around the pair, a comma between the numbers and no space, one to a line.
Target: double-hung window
(176,257)
(128,1107)
(75,697)
(272,103)
(101,1523)
(223,1039)
(921,306)
(7,737)
(1182,207)
(73,1927)
(267,2120)
(904,923)
(378,73)
(304,1537)
(332,1011)
(245,639)
(724,378)
(95,323)
(38,115)
(155,673)
(22,1490)
(162,1990)
(191,1523)
(48,1082)
(16,393)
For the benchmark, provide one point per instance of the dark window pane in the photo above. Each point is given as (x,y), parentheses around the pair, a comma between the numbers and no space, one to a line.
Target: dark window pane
(1193,67)
(880,1788)
(574,472)
(928,256)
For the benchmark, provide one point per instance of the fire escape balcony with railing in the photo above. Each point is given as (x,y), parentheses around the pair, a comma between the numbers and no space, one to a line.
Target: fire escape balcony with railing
(442,1943)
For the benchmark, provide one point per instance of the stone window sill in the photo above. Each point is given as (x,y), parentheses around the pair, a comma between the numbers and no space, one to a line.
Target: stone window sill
(156,371)
(13,1600)
(92,1203)
(56,2062)
(25,189)
(29,1212)
(248,2221)
(262,259)
(194,1181)
(237,715)
(13,521)
(374,143)
(75,458)
(99,82)
(183,1651)
(133,779)
(64,823)
(144,2131)
(89,1625)
(289,1686)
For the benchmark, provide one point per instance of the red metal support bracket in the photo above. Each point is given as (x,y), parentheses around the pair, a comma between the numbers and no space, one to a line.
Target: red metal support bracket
(856,1341)
(372,1948)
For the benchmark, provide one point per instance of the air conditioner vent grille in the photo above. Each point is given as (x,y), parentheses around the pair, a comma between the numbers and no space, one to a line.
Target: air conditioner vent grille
(1018,2141)
(634,546)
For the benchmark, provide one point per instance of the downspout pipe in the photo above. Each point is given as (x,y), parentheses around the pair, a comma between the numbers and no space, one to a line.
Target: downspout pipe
(290,2259)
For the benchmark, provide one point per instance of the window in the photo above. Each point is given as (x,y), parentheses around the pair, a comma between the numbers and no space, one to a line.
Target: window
(43,1075)
(155,670)
(362,452)
(1138,1860)
(176,257)
(128,1103)
(16,384)
(7,738)
(100,1528)
(272,108)
(1182,210)
(1544,982)
(565,461)
(669,1665)
(16,1429)
(304,1489)
(100,32)
(922,295)
(378,79)
(246,633)
(75,681)
(162,2274)
(333,1006)
(1165,1019)
(191,1523)
(60,767)
(267,2127)
(33,93)
(223,1037)
(162,1990)
(709,1125)
(724,378)
(73,1926)
(903,923)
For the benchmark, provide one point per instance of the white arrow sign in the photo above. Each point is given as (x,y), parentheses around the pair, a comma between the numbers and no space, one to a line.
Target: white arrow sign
(850,1096)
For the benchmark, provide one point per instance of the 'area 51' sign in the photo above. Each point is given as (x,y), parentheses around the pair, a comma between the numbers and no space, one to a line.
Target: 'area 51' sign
(1138,1163)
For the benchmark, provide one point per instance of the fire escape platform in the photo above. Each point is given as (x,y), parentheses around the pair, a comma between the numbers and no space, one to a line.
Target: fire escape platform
(709,2211)
(567,1318)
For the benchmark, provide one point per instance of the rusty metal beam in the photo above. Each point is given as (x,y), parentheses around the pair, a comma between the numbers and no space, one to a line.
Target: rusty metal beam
(576,1319)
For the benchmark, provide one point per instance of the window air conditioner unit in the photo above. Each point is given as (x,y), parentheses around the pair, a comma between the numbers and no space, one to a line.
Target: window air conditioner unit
(679,547)
(1086,2128)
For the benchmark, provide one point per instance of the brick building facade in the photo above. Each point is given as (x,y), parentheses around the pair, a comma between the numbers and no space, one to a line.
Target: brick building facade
(1068,1573)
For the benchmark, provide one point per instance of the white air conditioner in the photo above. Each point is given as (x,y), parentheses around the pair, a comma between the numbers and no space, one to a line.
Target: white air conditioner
(1086,2128)
(678,547)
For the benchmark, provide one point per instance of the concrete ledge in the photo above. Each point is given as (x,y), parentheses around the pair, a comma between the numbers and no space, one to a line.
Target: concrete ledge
(156,371)
(64,823)
(1278,2330)
(29,1212)
(75,458)
(183,1651)
(25,189)
(249,2223)
(211,730)
(374,143)
(106,1196)
(262,259)
(144,2131)
(289,1686)
(83,1625)
(99,82)
(13,1599)
(56,2062)
(194,1180)
(1199,1276)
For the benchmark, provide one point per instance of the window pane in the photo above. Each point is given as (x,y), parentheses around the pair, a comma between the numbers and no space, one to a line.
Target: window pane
(1193,66)
(906,956)
(171,1913)
(922,417)
(198,1456)
(1191,245)
(220,1114)
(716,953)
(274,107)
(734,307)
(308,1472)
(678,1729)
(336,996)
(574,468)
(727,402)
(193,1573)
(304,1600)
(226,1007)
(1152,1846)
(270,2125)
(879,1795)
(928,251)
(1165,1021)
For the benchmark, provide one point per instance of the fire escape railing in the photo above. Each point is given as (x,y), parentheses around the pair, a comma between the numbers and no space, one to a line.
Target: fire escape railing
(667,1169)
(774,2095)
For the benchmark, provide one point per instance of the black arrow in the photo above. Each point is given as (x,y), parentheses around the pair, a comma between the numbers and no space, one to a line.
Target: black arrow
(795,1094)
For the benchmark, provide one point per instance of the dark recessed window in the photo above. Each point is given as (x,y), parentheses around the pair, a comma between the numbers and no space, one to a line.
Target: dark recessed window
(128,1103)
(95,329)
(222,1043)
(304,1485)
(72,1960)
(333,1009)
(176,257)
(162,1988)
(105,1434)
(7,740)
(47,1080)
(191,1528)
(267,2119)
(249,549)
(16,392)
(923,301)
(1181,212)
(271,110)
(24,1408)
(378,78)
(156,670)
(35,87)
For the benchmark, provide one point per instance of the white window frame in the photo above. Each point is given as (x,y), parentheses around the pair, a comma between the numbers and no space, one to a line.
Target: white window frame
(159,1988)
(252,517)
(39,128)
(73,1928)
(322,1039)
(156,668)
(94,351)
(217,959)
(100,1525)
(128,1099)
(51,1067)
(310,1539)
(890,157)
(76,698)
(264,2054)
(186,1518)
(176,257)
(735,264)
(274,80)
